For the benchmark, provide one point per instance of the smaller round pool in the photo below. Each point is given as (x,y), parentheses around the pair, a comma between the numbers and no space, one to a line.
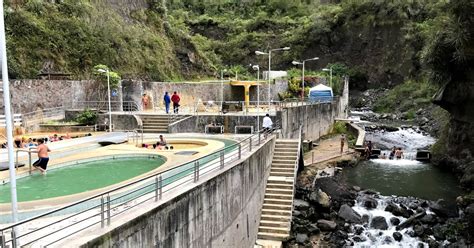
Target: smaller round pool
(80,177)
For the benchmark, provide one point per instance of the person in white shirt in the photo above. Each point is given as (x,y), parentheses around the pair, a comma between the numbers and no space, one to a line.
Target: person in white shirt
(267,123)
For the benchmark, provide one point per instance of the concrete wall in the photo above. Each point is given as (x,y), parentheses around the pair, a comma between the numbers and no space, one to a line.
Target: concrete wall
(221,212)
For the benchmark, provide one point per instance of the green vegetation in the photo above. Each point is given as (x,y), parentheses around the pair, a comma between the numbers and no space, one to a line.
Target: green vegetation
(407,97)
(182,39)
(87,117)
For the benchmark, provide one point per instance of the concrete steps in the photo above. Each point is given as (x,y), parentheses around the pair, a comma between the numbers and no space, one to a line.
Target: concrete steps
(275,221)
(158,123)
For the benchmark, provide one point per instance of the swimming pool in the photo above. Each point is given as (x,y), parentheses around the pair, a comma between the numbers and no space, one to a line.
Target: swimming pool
(81,177)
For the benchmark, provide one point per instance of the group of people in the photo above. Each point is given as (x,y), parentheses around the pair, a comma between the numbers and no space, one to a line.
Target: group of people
(161,144)
(167,100)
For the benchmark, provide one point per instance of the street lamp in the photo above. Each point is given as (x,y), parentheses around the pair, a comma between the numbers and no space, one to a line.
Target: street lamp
(222,87)
(269,53)
(330,75)
(257,68)
(302,78)
(8,122)
(108,91)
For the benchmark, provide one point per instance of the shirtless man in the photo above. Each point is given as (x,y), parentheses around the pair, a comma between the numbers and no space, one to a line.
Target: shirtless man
(43,158)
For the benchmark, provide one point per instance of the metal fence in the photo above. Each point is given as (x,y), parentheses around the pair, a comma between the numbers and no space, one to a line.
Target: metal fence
(120,106)
(58,224)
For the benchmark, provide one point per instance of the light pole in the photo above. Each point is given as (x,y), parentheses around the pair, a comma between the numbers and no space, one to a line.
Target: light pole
(256,67)
(8,121)
(269,53)
(330,75)
(222,87)
(108,91)
(302,77)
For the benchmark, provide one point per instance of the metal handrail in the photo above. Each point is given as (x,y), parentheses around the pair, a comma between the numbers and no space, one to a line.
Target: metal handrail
(296,163)
(231,153)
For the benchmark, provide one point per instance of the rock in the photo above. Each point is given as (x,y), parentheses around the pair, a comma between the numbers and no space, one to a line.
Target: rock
(428,219)
(395,221)
(359,238)
(326,225)
(296,213)
(439,232)
(301,205)
(358,230)
(379,222)
(301,238)
(420,245)
(440,208)
(419,230)
(410,220)
(397,236)
(370,192)
(370,203)
(348,214)
(323,199)
(387,240)
(356,188)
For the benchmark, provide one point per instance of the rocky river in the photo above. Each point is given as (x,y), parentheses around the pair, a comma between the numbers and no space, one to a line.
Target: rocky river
(384,203)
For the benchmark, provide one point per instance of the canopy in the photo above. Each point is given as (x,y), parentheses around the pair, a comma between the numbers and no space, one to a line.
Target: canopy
(320,93)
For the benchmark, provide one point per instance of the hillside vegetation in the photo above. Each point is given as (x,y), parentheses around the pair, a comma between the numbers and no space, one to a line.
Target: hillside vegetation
(182,39)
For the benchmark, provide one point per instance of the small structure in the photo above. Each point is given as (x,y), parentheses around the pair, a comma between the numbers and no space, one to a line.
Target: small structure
(423,155)
(246,85)
(49,73)
(320,93)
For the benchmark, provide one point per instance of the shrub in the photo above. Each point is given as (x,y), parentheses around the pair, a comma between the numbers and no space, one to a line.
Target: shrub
(87,117)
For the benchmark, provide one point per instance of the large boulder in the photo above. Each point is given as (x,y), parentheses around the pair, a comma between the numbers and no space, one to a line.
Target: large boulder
(327,225)
(442,209)
(349,215)
(410,221)
(301,205)
(398,210)
(379,222)
(320,198)
(301,238)
(395,221)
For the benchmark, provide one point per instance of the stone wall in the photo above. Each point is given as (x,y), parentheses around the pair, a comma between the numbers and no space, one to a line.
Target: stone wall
(221,212)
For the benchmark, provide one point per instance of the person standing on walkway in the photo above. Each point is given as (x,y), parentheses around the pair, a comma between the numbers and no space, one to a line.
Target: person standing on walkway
(145,102)
(167,101)
(175,99)
(343,141)
(43,158)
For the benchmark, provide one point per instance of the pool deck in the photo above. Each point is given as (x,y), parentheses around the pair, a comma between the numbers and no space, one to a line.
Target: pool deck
(208,146)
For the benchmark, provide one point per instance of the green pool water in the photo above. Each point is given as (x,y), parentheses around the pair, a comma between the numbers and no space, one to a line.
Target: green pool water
(79,178)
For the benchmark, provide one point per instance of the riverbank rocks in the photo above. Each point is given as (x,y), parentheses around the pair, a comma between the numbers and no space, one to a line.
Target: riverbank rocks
(395,221)
(410,221)
(348,214)
(327,225)
(379,222)
(321,198)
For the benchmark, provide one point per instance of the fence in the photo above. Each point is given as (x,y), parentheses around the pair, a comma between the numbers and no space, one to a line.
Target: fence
(17,120)
(39,116)
(125,106)
(61,223)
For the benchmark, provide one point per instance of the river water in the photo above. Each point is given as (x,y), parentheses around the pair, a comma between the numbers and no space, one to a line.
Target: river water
(393,178)
(404,177)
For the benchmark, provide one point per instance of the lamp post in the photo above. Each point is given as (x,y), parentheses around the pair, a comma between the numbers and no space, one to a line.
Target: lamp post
(256,67)
(108,91)
(269,53)
(222,87)
(302,77)
(8,121)
(330,75)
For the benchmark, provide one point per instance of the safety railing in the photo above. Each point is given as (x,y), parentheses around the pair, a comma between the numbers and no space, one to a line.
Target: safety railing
(56,225)
(29,151)
(298,154)
(120,106)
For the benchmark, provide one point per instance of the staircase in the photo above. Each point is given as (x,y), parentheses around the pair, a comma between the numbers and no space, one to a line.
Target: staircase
(275,221)
(158,123)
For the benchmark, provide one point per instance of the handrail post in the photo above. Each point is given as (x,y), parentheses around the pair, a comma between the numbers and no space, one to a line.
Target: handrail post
(160,187)
(259,138)
(222,159)
(250,144)
(240,150)
(29,161)
(108,210)
(14,241)
(156,188)
(2,239)
(102,220)
(196,171)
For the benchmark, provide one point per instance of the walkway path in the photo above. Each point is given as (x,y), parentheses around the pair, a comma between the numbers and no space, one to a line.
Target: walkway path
(327,149)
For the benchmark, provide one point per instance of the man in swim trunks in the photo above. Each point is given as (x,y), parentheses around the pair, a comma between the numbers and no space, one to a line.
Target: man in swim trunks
(43,159)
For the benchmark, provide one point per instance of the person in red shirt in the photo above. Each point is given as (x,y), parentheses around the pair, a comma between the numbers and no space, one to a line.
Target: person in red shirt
(175,99)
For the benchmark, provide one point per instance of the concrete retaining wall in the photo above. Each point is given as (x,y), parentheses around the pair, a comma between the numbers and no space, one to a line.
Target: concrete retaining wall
(221,212)
(196,124)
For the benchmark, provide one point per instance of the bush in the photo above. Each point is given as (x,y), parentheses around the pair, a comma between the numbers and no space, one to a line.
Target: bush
(87,117)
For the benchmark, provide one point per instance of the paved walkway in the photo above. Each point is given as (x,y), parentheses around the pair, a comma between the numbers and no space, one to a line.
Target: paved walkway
(327,149)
